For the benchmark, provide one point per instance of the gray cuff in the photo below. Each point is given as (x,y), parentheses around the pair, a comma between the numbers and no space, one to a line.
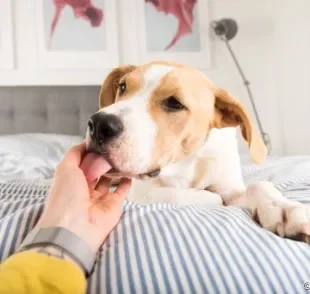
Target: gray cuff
(60,237)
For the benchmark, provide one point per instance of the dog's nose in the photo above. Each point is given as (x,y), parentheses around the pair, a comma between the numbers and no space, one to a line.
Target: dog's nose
(103,127)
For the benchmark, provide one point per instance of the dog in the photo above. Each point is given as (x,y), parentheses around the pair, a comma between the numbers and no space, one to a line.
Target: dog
(171,130)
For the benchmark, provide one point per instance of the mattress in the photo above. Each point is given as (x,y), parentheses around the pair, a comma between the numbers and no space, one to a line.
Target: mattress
(160,248)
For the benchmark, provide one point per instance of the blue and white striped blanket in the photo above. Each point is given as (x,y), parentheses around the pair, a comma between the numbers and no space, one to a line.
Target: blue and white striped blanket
(162,249)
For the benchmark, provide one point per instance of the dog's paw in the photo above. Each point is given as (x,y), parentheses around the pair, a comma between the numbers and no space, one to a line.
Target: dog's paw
(284,217)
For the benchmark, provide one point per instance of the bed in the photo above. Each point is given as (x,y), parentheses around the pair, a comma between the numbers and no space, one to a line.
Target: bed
(159,248)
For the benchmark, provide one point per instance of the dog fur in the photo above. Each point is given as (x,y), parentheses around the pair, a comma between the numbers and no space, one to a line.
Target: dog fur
(194,148)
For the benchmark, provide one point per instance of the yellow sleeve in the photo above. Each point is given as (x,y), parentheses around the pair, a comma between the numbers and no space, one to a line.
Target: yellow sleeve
(31,272)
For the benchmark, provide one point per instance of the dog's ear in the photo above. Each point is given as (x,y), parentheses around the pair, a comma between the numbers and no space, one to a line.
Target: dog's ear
(109,87)
(230,113)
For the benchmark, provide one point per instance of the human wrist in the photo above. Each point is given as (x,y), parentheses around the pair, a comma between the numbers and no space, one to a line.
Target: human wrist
(80,229)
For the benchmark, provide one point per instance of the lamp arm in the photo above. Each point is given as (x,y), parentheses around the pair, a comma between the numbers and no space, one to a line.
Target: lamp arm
(226,29)
(246,83)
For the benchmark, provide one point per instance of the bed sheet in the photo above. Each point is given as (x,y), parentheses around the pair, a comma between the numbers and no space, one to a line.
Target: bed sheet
(162,249)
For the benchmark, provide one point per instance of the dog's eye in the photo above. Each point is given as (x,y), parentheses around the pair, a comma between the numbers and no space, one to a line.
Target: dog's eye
(172,104)
(122,88)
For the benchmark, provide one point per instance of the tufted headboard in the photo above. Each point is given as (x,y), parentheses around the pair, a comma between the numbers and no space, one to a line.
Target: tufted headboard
(59,110)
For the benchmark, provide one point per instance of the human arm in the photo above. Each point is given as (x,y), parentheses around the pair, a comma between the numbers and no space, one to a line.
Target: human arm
(87,210)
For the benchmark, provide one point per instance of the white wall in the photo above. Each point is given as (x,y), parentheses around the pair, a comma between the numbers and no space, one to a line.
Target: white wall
(273,47)
(292,71)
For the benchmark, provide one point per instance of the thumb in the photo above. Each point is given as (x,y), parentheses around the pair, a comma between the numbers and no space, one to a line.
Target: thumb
(74,155)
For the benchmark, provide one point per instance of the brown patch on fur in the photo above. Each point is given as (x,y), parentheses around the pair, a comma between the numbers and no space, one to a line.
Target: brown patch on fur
(165,63)
(181,133)
(133,82)
(110,85)
(109,88)
(133,74)
(230,113)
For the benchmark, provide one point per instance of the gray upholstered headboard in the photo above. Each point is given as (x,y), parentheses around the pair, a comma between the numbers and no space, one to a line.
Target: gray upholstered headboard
(61,110)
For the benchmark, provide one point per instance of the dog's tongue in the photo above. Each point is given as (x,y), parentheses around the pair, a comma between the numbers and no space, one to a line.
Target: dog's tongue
(94,166)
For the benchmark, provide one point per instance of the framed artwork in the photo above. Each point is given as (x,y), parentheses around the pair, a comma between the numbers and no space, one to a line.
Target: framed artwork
(176,30)
(76,34)
(6,35)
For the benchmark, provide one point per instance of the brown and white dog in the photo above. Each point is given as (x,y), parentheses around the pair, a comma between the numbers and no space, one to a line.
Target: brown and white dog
(174,132)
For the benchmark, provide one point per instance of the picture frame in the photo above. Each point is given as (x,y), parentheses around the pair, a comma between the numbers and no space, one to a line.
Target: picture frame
(7,51)
(94,45)
(158,27)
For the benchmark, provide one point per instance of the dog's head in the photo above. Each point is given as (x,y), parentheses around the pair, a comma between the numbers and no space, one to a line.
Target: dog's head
(159,113)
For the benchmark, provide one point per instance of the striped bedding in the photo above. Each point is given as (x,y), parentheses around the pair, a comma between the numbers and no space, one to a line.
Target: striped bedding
(162,249)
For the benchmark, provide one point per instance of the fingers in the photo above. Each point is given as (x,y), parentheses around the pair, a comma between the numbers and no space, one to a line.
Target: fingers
(103,185)
(74,155)
(112,202)
(123,188)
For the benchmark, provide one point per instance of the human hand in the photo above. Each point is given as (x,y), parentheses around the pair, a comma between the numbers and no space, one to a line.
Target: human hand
(88,210)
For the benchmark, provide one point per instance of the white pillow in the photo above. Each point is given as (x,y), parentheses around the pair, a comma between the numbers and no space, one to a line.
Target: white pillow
(33,155)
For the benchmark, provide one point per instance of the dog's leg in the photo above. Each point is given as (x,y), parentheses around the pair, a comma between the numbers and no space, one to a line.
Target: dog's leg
(272,210)
(179,197)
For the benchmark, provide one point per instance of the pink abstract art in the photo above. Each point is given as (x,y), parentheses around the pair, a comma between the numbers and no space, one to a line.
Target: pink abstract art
(83,9)
(182,10)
